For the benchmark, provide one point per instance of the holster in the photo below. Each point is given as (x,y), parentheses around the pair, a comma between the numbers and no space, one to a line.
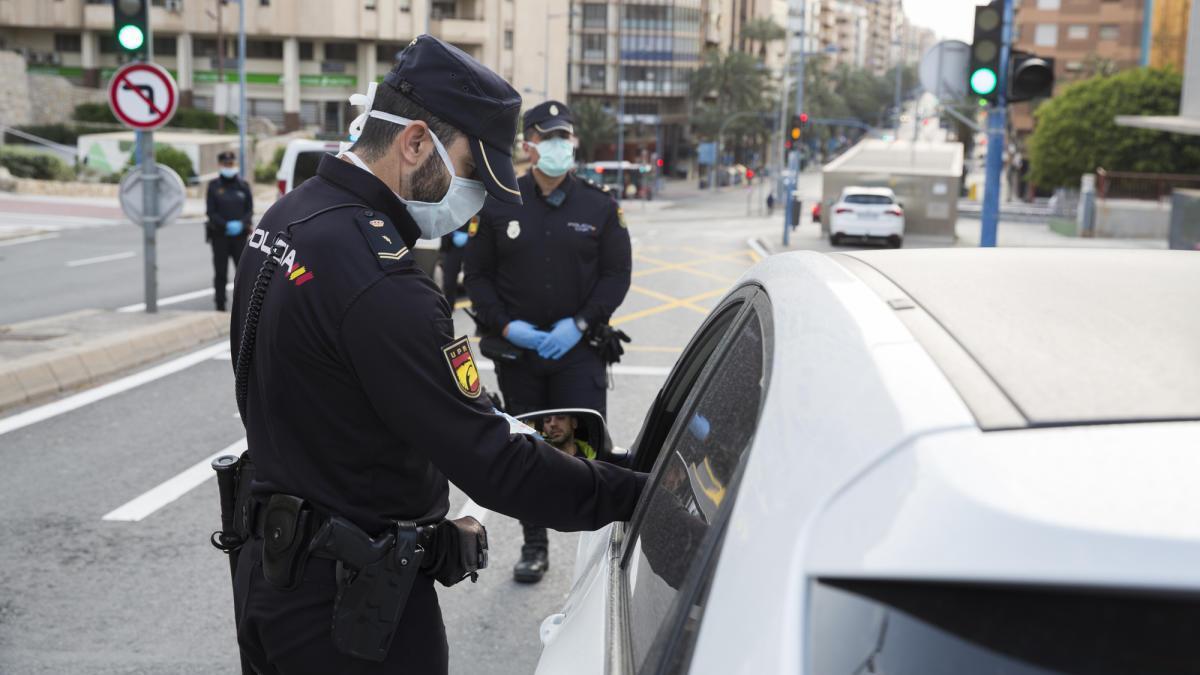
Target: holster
(286,526)
(375,578)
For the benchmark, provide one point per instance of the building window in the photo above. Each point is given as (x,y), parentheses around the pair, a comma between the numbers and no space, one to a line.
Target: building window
(68,43)
(1110,31)
(508,39)
(341,51)
(595,15)
(594,45)
(270,108)
(404,5)
(593,77)
(1077,31)
(205,47)
(1046,35)
(1052,5)
(387,53)
(306,50)
(164,45)
(108,44)
(264,49)
(441,9)
(1073,66)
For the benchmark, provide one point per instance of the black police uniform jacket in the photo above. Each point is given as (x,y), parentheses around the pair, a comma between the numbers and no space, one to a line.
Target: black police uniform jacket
(565,254)
(362,401)
(228,199)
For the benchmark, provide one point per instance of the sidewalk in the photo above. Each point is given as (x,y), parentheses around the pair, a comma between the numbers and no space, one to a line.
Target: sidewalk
(44,357)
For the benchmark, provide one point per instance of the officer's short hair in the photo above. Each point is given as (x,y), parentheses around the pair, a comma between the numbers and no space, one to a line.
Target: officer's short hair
(378,135)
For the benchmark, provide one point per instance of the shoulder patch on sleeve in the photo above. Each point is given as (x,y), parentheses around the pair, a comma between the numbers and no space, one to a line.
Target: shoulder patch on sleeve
(386,244)
(462,367)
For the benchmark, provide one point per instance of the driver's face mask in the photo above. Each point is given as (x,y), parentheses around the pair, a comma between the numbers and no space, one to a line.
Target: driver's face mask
(463,199)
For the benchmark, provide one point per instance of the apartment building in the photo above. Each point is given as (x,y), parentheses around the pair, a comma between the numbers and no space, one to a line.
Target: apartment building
(304,58)
(1083,36)
(1168,33)
(885,28)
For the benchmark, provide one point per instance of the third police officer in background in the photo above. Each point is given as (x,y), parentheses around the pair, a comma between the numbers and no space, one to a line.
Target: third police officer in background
(543,274)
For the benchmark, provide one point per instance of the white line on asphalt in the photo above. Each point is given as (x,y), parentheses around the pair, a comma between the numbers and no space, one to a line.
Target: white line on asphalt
(83,398)
(29,239)
(757,246)
(101,259)
(172,300)
(168,491)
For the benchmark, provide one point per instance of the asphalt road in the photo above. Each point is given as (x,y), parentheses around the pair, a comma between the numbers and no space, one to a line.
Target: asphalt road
(79,593)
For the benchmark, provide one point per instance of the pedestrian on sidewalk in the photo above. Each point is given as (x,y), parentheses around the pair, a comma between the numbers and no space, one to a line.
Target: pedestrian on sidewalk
(230,207)
(770,203)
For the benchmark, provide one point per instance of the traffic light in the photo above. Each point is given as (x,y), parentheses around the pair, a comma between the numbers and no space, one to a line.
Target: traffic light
(131,26)
(984,71)
(1029,77)
(797,124)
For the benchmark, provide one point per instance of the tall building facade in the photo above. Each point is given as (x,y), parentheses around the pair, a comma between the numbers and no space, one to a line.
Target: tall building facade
(304,58)
(1168,33)
(635,59)
(1085,37)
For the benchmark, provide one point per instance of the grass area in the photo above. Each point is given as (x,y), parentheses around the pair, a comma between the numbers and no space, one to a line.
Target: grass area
(1064,227)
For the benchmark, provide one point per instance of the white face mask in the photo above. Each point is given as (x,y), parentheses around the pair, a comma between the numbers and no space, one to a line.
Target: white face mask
(463,199)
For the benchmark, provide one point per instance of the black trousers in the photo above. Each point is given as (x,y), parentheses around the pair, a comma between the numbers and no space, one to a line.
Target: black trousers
(288,632)
(577,380)
(224,248)
(452,261)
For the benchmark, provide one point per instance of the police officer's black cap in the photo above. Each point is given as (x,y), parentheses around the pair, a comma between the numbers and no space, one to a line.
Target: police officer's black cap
(549,116)
(450,84)
(226,156)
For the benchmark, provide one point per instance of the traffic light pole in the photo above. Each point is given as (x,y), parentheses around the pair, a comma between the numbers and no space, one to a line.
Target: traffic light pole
(794,157)
(997,122)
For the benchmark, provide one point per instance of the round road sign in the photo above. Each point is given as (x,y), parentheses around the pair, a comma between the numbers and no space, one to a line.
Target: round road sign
(171,195)
(143,96)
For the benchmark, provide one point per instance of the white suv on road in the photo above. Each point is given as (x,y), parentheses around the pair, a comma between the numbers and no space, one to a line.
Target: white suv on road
(929,461)
(865,213)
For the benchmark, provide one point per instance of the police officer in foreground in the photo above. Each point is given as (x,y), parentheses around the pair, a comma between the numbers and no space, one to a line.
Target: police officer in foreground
(230,207)
(544,273)
(360,404)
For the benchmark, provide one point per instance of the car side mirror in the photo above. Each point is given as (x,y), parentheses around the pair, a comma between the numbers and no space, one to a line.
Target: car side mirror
(585,426)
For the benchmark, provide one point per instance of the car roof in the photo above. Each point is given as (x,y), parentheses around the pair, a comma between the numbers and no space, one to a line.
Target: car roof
(1053,337)
(883,192)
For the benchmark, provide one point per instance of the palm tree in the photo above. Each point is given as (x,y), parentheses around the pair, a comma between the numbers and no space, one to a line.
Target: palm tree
(728,84)
(762,31)
(593,125)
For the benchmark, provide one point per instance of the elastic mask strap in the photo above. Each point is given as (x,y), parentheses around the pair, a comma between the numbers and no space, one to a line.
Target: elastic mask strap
(404,121)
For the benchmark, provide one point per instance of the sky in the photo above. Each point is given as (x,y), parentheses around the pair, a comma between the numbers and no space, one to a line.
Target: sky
(950,19)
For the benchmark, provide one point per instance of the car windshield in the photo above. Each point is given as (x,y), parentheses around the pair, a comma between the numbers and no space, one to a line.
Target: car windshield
(867,199)
(947,629)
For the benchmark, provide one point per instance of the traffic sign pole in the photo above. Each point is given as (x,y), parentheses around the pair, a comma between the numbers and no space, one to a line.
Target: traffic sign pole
(150,220)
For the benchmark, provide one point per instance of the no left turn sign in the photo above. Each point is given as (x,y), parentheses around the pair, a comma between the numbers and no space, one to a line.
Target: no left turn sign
(143,96)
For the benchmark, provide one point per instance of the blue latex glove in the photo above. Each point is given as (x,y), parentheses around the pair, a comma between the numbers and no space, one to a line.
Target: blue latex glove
(524,335)
(460,239)
(563,337)
(233,228)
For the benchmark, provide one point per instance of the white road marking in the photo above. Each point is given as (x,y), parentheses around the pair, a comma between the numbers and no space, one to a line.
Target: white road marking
(757,246)
(45,412)
(168,491)
(101,259)
(28,239)
(172,300)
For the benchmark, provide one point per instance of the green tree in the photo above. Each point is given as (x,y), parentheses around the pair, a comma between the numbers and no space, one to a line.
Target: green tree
(761,32)
(727,84)
(593,126)
(1076,132)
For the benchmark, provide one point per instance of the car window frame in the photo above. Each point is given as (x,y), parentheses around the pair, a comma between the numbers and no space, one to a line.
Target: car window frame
(687,372)
(703,568)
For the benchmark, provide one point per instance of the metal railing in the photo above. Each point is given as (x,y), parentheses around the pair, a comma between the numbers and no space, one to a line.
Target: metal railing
(1143,186)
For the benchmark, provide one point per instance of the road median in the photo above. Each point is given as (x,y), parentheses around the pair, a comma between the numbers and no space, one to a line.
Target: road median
(45,357)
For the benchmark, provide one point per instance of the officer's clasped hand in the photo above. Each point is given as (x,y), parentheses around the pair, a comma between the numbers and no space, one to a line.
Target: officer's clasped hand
(460,239)
(233,228)
(524,335)
(563,337)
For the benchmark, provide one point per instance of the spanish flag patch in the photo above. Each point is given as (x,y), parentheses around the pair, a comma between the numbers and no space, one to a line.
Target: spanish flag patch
(462,367)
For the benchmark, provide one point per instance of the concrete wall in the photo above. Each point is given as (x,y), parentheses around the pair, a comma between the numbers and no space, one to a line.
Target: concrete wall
(1132,219)
(53,98)
(15,106)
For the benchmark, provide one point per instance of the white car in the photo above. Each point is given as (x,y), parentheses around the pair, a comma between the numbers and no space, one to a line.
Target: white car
(866,213)
(931,461)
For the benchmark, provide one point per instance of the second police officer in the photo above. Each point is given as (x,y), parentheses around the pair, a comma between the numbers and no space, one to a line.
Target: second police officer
(360,404)
(542,273)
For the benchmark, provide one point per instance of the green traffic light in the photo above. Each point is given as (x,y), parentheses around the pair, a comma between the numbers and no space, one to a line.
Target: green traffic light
(131,37)
(983,81)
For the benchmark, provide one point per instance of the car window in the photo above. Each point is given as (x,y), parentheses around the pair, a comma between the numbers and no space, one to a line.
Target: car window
(306,166)
(670,398)
(868,199)
(692,486)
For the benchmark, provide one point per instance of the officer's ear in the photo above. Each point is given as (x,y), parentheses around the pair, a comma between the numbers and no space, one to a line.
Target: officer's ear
(414,143)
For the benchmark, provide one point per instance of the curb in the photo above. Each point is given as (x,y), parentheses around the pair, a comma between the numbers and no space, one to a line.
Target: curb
(32,378)
(759,246)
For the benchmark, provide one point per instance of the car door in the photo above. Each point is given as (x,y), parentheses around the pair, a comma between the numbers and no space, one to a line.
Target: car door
(671,547)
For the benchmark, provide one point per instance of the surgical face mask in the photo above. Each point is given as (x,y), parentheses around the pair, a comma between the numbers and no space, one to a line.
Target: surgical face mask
(228,172)
(463,199)
(556,156)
